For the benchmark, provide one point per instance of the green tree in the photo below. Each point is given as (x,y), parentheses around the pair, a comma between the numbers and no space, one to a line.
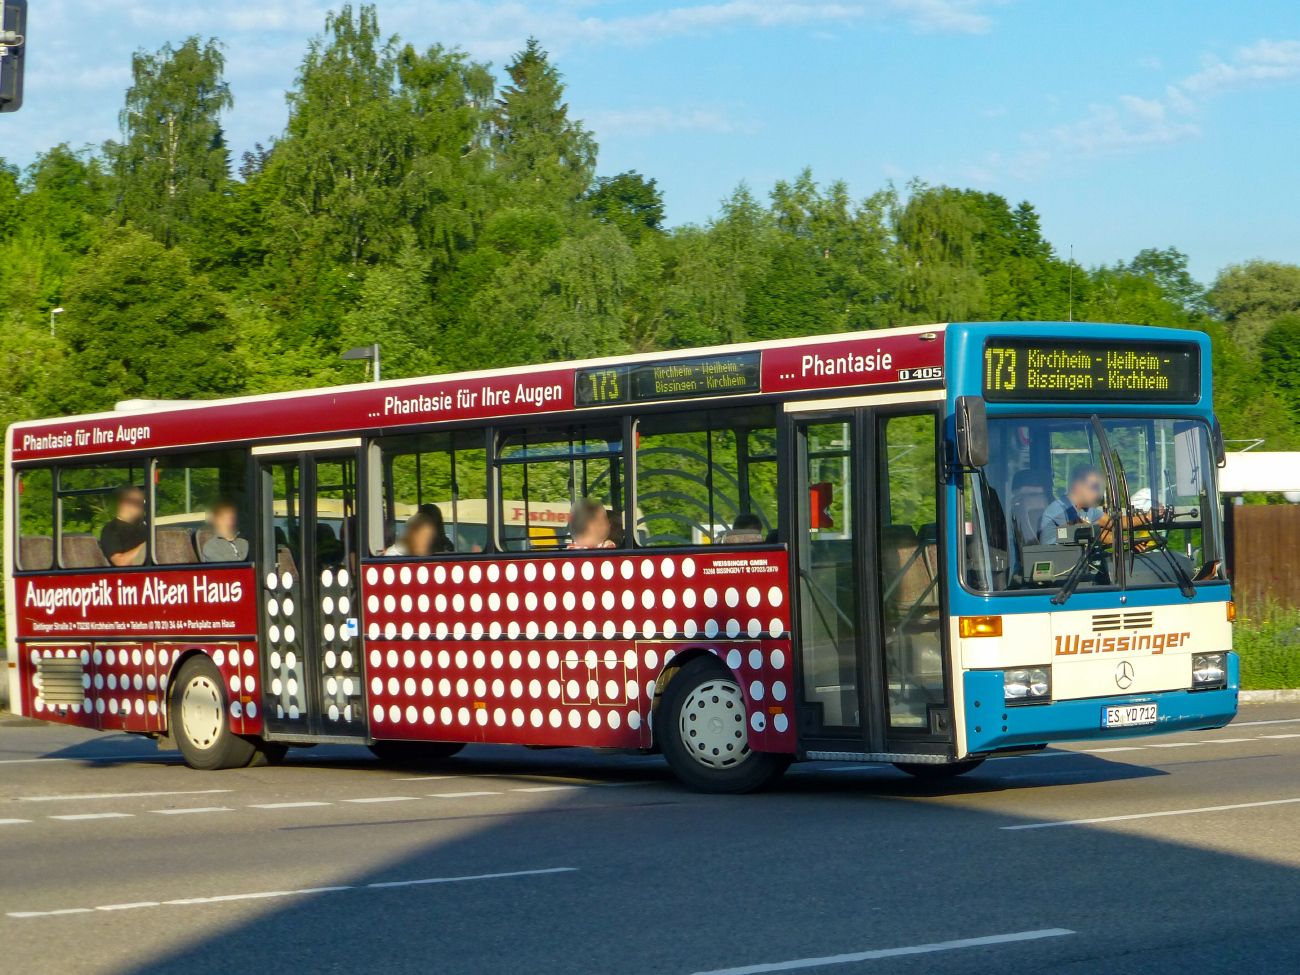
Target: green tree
(937,250)
(174,153)
(1253,295)
(141,323)
(630,202)
(544,156)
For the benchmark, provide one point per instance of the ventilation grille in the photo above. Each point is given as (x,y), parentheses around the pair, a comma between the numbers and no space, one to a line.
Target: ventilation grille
(61,680)
(1137,620)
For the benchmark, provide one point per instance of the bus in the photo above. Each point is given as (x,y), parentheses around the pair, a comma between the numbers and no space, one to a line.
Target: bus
(922,546)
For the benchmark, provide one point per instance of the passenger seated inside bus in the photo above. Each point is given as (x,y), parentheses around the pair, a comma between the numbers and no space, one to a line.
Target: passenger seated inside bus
(123,539)
(747,529)
(441,543)
(589,525)
(418,537)
(224,543)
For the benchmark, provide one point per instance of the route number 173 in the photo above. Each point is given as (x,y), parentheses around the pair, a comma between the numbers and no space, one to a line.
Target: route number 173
(999,368)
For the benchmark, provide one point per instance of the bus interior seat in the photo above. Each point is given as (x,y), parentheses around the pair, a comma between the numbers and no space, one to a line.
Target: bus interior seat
(201,537)
(908,561)
(172,546)
(284,561)
(81,551)
(733,536)
(36,552)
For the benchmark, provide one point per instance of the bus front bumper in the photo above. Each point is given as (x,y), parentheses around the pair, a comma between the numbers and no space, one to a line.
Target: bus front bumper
(991,725)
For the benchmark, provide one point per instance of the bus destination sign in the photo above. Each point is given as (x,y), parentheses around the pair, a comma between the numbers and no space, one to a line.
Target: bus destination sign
(720,375)
(1026,370)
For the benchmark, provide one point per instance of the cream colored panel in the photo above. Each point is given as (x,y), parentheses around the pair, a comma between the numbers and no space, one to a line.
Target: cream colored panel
(1026,639)
(1111,675)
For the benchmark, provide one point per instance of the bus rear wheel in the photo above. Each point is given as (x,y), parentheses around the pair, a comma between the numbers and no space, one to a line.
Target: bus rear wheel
(414,752)
(701,727)
(947,771)
(200,719)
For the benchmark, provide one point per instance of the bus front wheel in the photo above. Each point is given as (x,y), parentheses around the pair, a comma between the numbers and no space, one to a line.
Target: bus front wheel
(701,727)
(200,719)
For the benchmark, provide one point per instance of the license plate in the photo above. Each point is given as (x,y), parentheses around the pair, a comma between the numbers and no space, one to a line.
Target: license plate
(1128,716)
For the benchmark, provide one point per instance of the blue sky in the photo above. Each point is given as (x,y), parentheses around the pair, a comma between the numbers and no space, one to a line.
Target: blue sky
(1127,125)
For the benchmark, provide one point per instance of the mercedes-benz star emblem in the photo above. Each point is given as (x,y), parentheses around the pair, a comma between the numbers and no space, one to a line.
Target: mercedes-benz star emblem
(1124,675)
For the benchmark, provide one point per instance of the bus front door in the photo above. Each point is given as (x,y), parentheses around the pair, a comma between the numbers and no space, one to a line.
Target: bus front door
(872,644)
(312,667)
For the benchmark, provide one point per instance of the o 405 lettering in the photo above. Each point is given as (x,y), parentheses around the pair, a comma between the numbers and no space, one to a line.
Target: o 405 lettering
(921,372)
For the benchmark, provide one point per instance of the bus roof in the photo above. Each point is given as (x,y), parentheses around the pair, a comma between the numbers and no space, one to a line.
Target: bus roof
(885,358)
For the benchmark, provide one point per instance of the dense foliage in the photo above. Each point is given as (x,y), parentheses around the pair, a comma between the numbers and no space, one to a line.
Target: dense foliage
(411,201)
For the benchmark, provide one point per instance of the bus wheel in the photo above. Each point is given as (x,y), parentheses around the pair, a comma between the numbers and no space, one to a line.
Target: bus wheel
(267,753)
(414,752)
(200,719)
(701,728)
(949,771)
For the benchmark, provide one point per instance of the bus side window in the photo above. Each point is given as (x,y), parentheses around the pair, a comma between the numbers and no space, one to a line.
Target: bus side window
(543,472)
(443,478)
(706,478)
(34,497)
(103,515)
(200,508)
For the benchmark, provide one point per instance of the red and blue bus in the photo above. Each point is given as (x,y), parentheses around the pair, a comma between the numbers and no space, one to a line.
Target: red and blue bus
(922,546)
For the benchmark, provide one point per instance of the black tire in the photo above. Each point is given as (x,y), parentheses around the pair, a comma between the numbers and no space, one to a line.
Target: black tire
(414,753)
(949,771)
(200,721)
(267,753)
(725,763)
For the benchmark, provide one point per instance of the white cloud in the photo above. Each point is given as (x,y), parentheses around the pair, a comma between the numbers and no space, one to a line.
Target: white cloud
(1133,124)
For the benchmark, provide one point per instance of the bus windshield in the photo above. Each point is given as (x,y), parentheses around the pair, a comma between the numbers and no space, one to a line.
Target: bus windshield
(1044,509)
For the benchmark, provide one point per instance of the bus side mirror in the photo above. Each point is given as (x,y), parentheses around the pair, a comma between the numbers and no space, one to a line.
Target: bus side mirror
(1220,449)
(972,432)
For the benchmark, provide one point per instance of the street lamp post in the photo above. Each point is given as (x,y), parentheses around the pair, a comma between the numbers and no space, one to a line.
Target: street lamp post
(369,352)
(53,312)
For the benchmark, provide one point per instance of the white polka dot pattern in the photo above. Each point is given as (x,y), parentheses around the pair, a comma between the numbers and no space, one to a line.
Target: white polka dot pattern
(126,683)
(557,650)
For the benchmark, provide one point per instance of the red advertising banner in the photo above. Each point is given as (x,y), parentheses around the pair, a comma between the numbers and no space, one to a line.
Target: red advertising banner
(201,601)
(861,360)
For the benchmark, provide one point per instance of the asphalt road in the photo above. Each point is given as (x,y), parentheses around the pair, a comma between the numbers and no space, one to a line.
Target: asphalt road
(116,858)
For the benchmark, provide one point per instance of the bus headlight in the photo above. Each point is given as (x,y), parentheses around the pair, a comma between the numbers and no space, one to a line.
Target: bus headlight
(1027,685)
(1209,670)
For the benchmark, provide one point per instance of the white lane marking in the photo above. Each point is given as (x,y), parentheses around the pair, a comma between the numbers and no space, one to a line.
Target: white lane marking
(123,795)
(95,816)
(1177,744)
(460,795)
(1012,758)
(287,805)
(481,876)
(539,788)
(1293,735)
(1248,724)
(25,761)
(1155,815)
(1103,751)
(10,822)
(262,895)
(126,907)
(197,809)
(1222,741)
(384,799)
(428,778)
(994,939)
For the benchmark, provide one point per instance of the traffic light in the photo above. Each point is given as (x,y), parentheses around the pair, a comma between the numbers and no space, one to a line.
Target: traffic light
(13,47)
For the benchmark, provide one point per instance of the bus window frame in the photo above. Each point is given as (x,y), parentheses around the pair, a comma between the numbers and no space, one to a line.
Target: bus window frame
(129,462)
(1215,511)
(248,509)
(15,512)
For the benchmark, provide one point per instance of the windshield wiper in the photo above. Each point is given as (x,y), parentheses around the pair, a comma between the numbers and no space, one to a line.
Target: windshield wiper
(1153,532)
(1076,573)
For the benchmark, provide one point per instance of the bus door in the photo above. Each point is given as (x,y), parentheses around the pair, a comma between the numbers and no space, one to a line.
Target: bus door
(872,641)
(312,667)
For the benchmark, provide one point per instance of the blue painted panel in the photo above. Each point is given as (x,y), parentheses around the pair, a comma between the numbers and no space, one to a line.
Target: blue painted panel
(991,725)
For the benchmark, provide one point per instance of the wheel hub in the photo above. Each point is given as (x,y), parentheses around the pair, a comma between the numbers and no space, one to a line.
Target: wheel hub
(713,724)
(201,712)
